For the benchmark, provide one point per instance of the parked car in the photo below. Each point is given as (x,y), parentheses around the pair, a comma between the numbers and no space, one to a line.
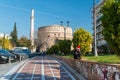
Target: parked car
(6,55)
(15,53)
(18,53)
(27,52)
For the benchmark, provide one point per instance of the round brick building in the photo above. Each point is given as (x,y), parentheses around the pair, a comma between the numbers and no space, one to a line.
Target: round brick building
(49,35)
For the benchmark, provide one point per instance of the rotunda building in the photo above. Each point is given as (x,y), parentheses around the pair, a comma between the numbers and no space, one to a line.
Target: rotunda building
(49,35)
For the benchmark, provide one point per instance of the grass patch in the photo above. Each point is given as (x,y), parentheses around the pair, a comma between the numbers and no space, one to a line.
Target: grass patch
(100,58)
(103,58)
(66,56)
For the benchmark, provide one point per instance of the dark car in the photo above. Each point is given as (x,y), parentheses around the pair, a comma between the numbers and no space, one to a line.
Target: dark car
(28,52)
(18,53)
(15,53)
(6,56)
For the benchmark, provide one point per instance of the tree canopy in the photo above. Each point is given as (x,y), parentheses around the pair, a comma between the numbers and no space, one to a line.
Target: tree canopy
(65,46)
(83,38)
(14,35)
(24,42)
(53,50)
(5,43)
(111,23)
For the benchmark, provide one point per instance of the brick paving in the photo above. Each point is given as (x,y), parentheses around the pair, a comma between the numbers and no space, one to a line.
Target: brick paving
(42,68)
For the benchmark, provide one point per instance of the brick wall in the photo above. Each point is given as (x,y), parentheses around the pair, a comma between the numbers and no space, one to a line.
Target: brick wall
(93,70)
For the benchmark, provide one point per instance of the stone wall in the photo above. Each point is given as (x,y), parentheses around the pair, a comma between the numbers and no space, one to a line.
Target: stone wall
(93,70)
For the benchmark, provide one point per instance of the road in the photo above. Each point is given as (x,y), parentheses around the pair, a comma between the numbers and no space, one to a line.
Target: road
(41,68)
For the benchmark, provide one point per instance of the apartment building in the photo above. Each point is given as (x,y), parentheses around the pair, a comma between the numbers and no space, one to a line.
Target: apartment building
(99,37)
(6,35)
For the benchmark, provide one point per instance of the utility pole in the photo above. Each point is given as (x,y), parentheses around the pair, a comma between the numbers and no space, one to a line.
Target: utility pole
(94,22)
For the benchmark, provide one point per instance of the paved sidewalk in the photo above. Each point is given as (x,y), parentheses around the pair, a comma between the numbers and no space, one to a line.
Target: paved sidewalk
(40,68)
(4,68)
(7,70)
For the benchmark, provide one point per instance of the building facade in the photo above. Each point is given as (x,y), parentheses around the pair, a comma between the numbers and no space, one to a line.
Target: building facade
(99,37)
(49,35)
(5,35)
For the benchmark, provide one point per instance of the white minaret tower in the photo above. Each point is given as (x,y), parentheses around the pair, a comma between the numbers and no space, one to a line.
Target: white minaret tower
(32,28)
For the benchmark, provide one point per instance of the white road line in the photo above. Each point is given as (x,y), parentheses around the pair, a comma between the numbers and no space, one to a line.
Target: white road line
(43,75)
(15,76)
(51,70)
(33,71)
(66,70)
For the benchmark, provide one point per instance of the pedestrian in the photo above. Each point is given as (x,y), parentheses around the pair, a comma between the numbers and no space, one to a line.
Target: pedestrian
(77,53)
(42,53)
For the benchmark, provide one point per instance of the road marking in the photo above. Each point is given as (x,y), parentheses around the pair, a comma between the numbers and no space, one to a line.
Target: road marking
(66,70)
(33,71)
(15,76)
(51,70)
(43,75)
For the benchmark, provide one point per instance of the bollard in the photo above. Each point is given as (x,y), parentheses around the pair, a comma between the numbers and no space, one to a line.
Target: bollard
(9,60)
(20,59)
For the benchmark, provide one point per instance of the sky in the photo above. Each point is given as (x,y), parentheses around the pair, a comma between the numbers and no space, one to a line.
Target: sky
(47,12)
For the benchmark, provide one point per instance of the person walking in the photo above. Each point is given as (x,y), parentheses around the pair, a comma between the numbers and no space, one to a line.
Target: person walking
(42,53)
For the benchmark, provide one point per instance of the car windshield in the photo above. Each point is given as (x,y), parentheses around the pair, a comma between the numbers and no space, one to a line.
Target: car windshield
(18,51)
(27,51)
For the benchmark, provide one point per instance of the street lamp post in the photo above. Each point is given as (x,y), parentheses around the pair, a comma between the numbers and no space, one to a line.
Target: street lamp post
(68,23)
(61,23)
(64,30)
(64,33)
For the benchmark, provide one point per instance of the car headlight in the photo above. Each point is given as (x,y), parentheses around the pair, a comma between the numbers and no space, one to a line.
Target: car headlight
(4,57)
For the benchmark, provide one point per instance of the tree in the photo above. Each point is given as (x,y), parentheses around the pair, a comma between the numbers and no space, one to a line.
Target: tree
(62,46)
(14,35)
(24,42)
(65,46)
(111,23)
(83,38)
(53,50)
(1,42)
(5,43)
